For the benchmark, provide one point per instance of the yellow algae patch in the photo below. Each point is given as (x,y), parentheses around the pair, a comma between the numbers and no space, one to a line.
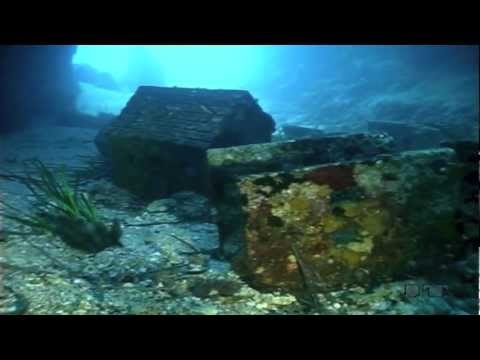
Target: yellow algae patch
(347,256)
(305,202)
(375,222)
(259,270)
(352,209)
(332,223)
(365,246)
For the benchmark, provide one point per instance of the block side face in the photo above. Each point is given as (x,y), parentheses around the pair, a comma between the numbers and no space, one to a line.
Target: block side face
(385,220)
(154,170)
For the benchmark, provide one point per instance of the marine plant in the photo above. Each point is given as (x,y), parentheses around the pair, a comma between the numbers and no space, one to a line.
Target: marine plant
(63,211)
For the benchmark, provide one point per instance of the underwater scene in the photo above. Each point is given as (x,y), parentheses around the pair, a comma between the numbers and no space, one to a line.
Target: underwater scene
(239,180)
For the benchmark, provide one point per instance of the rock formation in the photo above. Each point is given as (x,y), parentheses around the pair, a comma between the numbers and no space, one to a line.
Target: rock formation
(37,84)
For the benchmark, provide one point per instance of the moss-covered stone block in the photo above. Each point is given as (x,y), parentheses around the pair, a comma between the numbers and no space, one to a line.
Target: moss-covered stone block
(229,162)
(158,143)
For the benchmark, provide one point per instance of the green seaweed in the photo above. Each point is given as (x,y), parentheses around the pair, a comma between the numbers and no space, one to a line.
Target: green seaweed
(64,212)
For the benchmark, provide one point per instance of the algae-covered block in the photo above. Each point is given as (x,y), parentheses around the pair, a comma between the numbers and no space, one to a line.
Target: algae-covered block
(158,143)
(288,155)
(352,223)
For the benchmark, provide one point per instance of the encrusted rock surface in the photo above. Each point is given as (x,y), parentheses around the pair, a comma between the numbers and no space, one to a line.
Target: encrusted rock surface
(354,223)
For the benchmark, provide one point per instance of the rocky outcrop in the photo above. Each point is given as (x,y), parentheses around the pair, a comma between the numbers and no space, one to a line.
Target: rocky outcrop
(345,224)
(158,143)
(300,132)
(88,74)
(37,82)
(408,136)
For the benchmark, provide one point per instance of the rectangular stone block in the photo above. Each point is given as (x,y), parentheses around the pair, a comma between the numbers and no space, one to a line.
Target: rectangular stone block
(345,224)
(288,155)
(158,143)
